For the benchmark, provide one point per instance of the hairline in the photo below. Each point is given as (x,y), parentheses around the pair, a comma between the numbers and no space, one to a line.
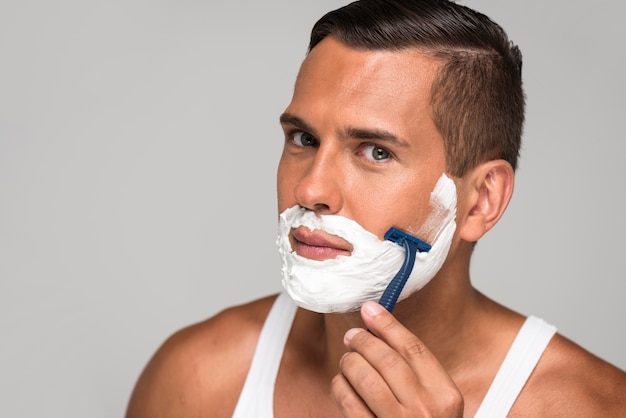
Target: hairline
(441,55)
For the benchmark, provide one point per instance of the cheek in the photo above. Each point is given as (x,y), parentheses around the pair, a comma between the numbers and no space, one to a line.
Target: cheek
(284,186)
(377,206)
(404,205)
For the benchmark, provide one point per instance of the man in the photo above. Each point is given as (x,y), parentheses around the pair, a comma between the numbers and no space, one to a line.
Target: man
(405,114)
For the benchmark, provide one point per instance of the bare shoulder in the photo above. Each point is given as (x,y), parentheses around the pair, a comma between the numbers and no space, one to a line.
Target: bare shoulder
(570,381)
(200,370)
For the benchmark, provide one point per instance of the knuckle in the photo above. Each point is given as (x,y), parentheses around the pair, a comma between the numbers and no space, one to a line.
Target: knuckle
(453,403)
(414,347)
(369,383)
(390,361)
(447,403)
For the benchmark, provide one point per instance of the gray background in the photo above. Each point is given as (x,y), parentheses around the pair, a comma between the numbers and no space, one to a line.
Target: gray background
(138,145)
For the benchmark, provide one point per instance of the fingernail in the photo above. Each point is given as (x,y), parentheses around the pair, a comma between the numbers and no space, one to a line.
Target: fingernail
(351,333)
(372,308)
(343,357)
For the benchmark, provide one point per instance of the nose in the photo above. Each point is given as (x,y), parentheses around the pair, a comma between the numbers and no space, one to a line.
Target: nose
(319,189)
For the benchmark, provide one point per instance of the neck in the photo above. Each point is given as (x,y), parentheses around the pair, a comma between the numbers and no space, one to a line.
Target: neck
(468,333)
(444,315)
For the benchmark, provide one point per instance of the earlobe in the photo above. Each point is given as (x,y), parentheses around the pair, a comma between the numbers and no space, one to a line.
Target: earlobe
(488,191)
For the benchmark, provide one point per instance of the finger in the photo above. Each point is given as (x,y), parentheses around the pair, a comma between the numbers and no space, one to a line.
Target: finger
(418,380)
(389,329)
(366,380)
(350,404)
(430,375)
(381,375)
(413,391)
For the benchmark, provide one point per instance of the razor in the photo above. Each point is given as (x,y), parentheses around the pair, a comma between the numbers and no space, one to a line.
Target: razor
(412,246)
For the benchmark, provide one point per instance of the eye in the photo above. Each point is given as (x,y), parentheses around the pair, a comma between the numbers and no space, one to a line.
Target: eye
(304,139)
(375,152)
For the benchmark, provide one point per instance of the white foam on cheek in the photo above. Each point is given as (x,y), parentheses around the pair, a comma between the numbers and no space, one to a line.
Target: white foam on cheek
(343,284)
(441,221)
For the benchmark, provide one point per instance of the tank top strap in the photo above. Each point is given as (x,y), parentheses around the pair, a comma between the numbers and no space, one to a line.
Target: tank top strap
(257,396)
(519,363)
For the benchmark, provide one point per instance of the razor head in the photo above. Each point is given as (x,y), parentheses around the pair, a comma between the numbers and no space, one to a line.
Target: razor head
(399,237)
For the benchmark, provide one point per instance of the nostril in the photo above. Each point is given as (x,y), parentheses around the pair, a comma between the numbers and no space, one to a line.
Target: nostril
(321,209)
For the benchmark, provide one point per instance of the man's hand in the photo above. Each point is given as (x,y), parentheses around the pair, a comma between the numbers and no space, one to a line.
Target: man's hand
(390,373)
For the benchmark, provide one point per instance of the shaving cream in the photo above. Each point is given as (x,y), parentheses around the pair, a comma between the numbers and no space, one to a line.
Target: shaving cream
(344,283)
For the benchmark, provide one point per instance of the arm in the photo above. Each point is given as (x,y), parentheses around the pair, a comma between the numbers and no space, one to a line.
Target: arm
(200,370)
(163,389)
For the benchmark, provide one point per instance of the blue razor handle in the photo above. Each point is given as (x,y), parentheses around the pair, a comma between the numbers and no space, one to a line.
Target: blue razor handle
(411,246)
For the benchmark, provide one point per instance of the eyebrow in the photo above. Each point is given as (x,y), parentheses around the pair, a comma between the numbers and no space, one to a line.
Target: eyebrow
(374,134)
(291,119)
(350,132)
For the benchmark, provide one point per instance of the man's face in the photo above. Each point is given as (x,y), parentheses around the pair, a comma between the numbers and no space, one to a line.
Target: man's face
(360,142)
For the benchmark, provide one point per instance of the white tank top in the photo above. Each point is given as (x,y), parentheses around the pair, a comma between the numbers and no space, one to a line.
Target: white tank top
(257,396)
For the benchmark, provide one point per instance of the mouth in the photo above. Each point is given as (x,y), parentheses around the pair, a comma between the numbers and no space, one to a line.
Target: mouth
(318,245)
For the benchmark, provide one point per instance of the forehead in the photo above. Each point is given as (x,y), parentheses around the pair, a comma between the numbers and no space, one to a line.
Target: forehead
(365,86)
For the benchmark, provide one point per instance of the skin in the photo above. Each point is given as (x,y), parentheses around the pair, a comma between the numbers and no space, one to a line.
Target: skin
(360,142)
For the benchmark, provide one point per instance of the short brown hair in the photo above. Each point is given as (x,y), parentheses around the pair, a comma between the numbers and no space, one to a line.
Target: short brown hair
(477,98)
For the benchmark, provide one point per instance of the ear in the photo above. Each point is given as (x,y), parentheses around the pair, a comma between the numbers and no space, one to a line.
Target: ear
(487,190)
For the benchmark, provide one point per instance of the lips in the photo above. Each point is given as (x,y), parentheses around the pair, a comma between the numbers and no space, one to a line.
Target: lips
(318,245)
